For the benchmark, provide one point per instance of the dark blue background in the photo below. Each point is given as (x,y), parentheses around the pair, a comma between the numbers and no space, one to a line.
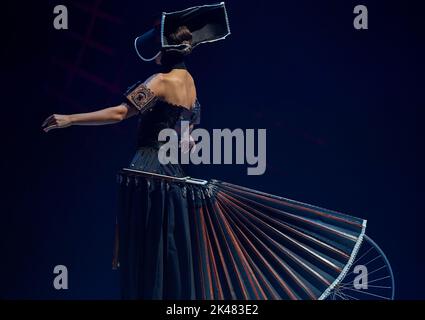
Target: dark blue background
(343,109)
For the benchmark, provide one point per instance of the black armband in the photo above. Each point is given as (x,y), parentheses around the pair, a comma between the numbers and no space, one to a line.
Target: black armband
(141,97)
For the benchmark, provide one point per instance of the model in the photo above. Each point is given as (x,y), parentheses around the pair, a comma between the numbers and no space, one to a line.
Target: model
(183,238)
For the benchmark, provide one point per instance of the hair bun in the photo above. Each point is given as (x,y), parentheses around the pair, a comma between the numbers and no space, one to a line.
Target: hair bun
(182,35)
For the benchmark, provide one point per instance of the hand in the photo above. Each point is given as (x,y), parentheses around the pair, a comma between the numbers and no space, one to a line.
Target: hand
(56,121)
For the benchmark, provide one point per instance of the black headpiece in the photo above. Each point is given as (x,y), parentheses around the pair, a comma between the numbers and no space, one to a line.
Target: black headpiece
(207,23)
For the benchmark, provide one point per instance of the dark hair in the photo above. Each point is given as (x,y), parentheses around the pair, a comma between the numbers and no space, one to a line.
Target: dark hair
(181,35)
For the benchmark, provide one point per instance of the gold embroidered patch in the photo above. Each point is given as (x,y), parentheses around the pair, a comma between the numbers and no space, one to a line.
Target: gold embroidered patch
(142,98)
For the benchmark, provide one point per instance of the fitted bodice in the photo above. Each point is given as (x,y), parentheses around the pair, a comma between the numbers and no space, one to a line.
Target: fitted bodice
(164,115)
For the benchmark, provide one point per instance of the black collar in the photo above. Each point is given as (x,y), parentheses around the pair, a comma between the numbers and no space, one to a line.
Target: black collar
(176,65)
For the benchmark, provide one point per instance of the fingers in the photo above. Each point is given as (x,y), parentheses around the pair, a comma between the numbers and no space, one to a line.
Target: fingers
(51,127)
(50,123)
(47,120)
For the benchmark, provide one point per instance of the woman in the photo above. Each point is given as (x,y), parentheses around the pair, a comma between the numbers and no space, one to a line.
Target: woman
(180,238)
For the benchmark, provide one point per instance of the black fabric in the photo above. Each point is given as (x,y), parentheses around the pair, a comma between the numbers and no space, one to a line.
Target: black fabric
(163,116)
(172,60)
(148,44)
(155,245)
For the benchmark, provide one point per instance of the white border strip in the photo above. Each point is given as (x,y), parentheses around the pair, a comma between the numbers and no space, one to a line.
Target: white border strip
(344,271)
(140,56)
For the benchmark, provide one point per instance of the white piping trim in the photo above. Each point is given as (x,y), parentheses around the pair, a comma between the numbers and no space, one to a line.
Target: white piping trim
(344,271)
(194,7)
(162,28)
(139,54)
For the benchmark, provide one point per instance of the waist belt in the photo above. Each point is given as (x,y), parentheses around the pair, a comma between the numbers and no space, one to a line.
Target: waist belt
(164,177)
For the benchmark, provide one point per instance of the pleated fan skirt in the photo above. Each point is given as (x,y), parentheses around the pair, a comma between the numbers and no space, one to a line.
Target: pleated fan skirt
(179,240)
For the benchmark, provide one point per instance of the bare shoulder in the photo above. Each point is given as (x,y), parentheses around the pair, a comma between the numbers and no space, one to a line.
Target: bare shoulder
(176,87)
(156,83)
(171,79)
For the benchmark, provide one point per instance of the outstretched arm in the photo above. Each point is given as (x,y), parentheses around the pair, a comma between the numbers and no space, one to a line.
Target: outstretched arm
(100,117)
(103,116)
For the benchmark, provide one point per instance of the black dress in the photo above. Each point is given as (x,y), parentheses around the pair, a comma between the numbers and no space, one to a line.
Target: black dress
(180,240)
